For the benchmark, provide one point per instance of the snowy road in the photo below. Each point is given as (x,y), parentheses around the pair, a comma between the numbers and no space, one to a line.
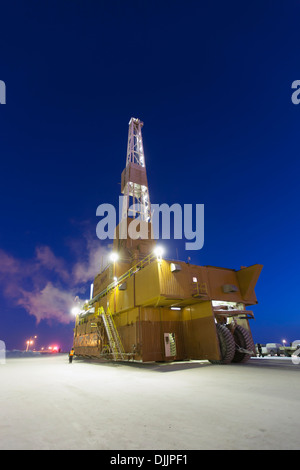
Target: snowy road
(47,403)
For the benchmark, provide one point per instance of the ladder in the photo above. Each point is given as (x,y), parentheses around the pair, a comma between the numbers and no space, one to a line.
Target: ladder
(114,340)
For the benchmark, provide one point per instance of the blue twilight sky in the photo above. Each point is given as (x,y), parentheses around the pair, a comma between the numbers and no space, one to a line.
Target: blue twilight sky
(212,83)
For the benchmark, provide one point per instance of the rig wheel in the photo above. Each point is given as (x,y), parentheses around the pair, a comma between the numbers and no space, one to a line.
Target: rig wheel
(227,345)
(243,338)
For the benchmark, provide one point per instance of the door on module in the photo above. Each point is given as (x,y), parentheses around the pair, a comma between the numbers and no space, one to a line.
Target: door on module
(170,344)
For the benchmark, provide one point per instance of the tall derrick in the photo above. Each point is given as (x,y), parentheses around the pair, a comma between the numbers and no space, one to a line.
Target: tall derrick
(136,199)
(134,183)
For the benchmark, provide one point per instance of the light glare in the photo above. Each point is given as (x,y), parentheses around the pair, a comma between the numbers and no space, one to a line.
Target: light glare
(114,257)
(75,311)
(158,251)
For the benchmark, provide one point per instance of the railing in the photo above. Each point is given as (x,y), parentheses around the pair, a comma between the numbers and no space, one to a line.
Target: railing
(140,265)
(114,339)
(199,289)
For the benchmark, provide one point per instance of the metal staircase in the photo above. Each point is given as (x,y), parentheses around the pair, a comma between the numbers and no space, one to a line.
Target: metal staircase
(114,340)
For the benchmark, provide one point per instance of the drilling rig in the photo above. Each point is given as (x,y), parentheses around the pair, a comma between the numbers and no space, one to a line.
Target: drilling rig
(148,308)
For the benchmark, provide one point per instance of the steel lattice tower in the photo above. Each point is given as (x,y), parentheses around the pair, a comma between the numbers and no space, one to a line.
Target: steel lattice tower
(134,184)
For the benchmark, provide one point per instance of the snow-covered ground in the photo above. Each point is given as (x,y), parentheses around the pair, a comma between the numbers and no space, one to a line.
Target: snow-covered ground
(47,403)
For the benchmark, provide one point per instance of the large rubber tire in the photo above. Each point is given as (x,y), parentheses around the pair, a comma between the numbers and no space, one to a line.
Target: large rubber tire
(243,338)
(227,345)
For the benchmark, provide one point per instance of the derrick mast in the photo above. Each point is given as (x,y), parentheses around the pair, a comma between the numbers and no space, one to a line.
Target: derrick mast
(134,234)
(134,184)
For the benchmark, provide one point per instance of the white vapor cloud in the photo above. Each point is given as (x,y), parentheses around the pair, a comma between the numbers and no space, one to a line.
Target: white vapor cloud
(46,285)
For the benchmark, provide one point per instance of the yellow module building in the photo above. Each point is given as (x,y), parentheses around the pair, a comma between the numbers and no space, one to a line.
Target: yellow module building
(147,308)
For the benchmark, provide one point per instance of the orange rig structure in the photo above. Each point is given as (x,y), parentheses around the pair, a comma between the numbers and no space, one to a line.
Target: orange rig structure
(147,308)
